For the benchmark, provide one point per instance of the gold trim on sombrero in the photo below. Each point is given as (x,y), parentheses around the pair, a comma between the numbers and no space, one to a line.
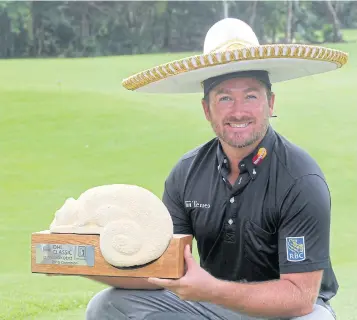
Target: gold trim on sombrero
(176,67)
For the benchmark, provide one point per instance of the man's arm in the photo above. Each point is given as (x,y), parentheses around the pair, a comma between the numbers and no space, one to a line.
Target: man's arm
(291,296)
(304,231)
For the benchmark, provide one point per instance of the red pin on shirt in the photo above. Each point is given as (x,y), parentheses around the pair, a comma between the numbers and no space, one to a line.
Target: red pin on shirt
(262,152)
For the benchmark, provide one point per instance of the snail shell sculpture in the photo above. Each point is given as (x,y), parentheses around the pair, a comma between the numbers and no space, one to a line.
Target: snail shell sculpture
(134,225)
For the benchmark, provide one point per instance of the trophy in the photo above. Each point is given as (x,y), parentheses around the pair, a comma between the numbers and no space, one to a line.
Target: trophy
(111,230)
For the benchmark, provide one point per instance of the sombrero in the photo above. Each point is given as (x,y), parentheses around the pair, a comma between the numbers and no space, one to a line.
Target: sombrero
(231,46)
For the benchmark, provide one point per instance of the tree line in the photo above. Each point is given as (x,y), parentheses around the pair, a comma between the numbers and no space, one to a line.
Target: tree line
(95,28)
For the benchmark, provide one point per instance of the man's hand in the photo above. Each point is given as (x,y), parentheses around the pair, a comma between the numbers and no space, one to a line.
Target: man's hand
(196,285)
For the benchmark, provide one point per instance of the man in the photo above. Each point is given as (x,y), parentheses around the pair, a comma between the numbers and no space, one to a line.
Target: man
(257,205)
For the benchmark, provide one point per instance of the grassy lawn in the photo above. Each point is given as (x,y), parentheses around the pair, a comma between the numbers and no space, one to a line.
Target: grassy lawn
(67,125)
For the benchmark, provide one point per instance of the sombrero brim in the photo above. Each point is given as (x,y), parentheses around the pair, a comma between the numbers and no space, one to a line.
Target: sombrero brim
(283,62)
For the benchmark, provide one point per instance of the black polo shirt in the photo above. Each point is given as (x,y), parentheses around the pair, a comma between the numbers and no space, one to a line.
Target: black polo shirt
(275,219)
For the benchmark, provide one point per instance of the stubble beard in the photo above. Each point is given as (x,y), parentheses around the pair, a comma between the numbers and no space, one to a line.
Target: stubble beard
(237,141)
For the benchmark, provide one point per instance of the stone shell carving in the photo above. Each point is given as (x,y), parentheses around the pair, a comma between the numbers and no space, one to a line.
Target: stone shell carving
(134,225)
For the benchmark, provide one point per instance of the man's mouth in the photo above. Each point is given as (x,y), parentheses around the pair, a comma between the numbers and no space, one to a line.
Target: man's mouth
(238,125)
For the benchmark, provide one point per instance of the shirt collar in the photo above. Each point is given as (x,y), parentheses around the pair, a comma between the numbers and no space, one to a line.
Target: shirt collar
(256,160)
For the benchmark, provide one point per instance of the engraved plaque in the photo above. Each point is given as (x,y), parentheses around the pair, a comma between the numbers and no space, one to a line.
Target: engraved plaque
(65,254)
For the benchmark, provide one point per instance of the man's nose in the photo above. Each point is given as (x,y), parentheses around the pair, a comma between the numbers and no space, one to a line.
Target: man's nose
(239,104)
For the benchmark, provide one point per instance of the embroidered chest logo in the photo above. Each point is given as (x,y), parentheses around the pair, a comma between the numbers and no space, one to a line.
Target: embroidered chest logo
(196,204)
(262,152)
(295,249)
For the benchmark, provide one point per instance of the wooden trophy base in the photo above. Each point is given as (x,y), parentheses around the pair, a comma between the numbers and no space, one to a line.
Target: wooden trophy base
(79,254)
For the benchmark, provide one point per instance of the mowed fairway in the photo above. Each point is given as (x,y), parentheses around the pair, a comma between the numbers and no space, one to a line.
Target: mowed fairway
(67,125)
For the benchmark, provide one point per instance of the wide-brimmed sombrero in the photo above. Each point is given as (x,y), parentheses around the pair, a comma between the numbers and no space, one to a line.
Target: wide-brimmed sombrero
(231,46)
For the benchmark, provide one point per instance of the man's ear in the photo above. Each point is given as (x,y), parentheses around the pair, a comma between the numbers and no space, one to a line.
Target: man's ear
(205,107)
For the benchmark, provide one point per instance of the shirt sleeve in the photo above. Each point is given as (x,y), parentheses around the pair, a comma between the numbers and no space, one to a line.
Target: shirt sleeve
(304,232)
(172,198)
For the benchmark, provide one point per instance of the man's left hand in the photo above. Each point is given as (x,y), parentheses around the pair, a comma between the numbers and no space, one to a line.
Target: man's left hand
(196,285)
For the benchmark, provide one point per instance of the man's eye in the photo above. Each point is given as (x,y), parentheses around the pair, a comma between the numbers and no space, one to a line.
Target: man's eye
(251,96)
(225,98)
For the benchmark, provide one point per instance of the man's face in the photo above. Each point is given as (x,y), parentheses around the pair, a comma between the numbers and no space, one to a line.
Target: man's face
(239,111)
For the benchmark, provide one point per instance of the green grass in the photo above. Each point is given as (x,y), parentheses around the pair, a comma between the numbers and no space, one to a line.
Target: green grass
(350,35)
(67,125)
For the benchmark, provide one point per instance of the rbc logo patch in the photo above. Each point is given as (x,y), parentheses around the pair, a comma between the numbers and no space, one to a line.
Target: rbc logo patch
(295,249)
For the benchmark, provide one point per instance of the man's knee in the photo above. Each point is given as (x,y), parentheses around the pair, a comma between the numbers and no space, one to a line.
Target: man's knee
(100,305)
(118,304)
